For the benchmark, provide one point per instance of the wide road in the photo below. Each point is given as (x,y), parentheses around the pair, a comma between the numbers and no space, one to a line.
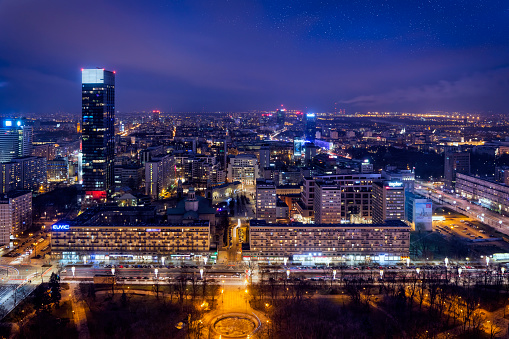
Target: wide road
(461,205)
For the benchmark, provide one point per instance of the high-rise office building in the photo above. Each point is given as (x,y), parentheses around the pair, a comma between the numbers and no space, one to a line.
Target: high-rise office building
(264,157)
(15,213)
(388,201)
(281,117)
(33,172)
(266,200)
(455,162)
(98,132)
(327,203)
(310,127)
(10,176)
(15,139)
(24,173)
(159,174)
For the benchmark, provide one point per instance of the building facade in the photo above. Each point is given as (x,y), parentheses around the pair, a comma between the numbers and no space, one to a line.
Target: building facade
(486,192)
(329,242)
(327,203)
(455,162)
(356,190)
(243,168)
(98,131)
(15,139)
(15,214)
(419,212)
(388,201)
(407,177)
(58,170)
(310,127)
(266,200)
(126,233)
(159,174)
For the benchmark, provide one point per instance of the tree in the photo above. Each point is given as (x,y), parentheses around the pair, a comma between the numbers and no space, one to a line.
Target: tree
(54,283)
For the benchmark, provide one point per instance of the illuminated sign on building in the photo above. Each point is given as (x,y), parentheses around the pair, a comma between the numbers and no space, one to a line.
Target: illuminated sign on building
(61,227)
(298,147)
(395,184)
(153,230)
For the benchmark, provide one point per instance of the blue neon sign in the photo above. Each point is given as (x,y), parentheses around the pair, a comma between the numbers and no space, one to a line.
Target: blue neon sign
(61,227)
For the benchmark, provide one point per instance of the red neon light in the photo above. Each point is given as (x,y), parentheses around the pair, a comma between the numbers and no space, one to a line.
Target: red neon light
(96,195)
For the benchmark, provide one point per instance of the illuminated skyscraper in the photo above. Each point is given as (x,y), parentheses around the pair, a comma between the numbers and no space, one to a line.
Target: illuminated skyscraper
(310,128)
(15,139)
(280,117)
(98,132)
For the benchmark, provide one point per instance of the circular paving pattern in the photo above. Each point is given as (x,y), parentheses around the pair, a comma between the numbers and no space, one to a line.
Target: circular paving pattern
(235,325)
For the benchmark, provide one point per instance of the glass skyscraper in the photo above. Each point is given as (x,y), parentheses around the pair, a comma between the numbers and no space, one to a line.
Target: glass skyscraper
(98,131)
(15,139)
(310,127)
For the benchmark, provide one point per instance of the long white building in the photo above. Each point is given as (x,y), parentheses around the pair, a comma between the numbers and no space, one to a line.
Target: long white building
(329,242)
(488,193)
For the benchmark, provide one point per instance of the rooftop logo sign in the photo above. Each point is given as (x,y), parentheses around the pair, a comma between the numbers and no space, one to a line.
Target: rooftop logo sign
(61,227)
(395,184)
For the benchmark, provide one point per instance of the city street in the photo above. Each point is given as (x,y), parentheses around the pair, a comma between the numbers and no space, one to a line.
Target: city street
(460,205)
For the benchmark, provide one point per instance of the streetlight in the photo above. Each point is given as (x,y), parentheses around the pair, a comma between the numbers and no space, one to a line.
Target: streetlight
(334,275)
(113,271)
(459,271)
(201,273)
(381,274)
(246,299)
(162,260)
(155,272)
(503,270)
(418,270)
(487,261)
(285,260)
(407,262)
(287,274)
(73,269)
(446,262)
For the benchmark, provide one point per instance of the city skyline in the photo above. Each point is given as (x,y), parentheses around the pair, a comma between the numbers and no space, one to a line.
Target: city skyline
(199,57)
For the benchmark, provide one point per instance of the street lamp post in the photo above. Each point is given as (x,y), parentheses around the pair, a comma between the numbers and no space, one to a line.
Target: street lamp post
(446,260)
(246,299)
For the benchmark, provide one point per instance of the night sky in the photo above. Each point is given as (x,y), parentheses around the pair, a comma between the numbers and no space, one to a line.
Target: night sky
(241,55)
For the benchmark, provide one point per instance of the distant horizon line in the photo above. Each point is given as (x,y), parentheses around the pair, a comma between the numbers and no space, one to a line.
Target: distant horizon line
(386,113)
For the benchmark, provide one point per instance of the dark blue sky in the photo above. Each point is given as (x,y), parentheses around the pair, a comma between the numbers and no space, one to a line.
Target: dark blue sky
(242,55)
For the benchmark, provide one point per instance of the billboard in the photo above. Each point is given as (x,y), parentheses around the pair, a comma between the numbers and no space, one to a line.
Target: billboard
(423,214)
(298,147)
